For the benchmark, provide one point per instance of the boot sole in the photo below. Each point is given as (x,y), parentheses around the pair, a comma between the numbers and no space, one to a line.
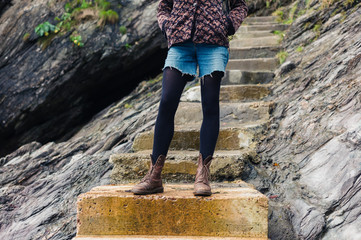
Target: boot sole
(156,190)
(202,193)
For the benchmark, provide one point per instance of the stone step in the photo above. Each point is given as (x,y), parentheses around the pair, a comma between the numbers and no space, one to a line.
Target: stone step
(255,42)
(253,52)
(253,34)
(241,113)
(262,27)
(260,19)
(137,237)
(258,23)
(243,77)
(180,166)
(231,211)
(253,64)
(231,136)
(231,93)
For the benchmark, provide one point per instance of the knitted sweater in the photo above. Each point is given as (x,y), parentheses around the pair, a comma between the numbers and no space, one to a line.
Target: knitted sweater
(203,21)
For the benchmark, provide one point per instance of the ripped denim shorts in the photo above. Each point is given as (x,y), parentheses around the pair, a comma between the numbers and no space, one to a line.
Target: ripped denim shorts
(186,56)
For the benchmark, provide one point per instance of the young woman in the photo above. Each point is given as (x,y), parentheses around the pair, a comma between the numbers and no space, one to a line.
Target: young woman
(197,33)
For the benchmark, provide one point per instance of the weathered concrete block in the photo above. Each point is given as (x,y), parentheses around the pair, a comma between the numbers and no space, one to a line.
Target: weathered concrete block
(253,52)
(256,42)
(241,113)
(260,19)
(237,93)
(180,166)
(233,77)
(263,27)
(187,138)
(254,64)
(231,93)
(232,211)
(115,237)
(253,34)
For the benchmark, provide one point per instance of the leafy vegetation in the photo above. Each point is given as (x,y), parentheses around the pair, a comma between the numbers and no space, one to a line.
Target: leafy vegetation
(44,29)
(281,34)
(122,30)
(74,11)
(26,37)
(316,29)
(282,55)
(107,16)
(77,40)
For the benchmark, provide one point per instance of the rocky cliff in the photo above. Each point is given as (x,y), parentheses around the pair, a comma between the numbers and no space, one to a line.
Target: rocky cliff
(311,156)
(311,166)
(49,81)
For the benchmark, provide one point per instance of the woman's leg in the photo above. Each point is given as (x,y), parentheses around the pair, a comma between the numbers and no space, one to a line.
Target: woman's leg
(210,88)
(172,87)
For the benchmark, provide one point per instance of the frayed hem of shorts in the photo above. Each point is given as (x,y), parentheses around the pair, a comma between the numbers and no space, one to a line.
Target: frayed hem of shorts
(210,74)
(183,73)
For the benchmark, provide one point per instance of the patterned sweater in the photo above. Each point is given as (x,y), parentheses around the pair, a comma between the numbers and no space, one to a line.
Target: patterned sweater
(203,21)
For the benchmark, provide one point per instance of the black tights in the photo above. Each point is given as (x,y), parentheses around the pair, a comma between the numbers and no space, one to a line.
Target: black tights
(172,87)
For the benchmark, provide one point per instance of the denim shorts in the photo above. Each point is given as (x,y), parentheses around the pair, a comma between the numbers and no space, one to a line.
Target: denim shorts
(186,56)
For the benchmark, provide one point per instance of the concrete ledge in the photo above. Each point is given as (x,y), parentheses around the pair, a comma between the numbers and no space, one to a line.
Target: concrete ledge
(115,237)
(231,211)
(236,93)
(231,93)
(260,19)
(262,27)
(186,137)
(253,34)
(256,42)
(253,52)
(180,166)
(233,77)
(240,113)
(253,64)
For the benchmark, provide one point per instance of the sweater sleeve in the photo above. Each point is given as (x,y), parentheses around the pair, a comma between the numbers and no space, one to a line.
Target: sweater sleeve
(237,14)
(163,14)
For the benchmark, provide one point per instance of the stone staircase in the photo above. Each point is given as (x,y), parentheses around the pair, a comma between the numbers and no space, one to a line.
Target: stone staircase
(235,210)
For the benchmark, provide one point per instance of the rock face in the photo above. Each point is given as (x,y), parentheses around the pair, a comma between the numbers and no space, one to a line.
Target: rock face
(312,154)
(63,85)
(40,183)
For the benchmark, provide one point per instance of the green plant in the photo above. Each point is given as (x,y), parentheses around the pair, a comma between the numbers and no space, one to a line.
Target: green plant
(346,3)
(85,4)
(281,34)
(77,40)
(307,25)
(316,29)
(291,15)
(282,55)
(128,46)
(299,49)
(279,14)
(107,16)
(73,10)
(127,105)
(26,37)
(123,30)
(43,29)
(102,4)
(301,12)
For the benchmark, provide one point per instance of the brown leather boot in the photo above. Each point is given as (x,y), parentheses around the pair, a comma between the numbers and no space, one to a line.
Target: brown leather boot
(201,184)
(152,181)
